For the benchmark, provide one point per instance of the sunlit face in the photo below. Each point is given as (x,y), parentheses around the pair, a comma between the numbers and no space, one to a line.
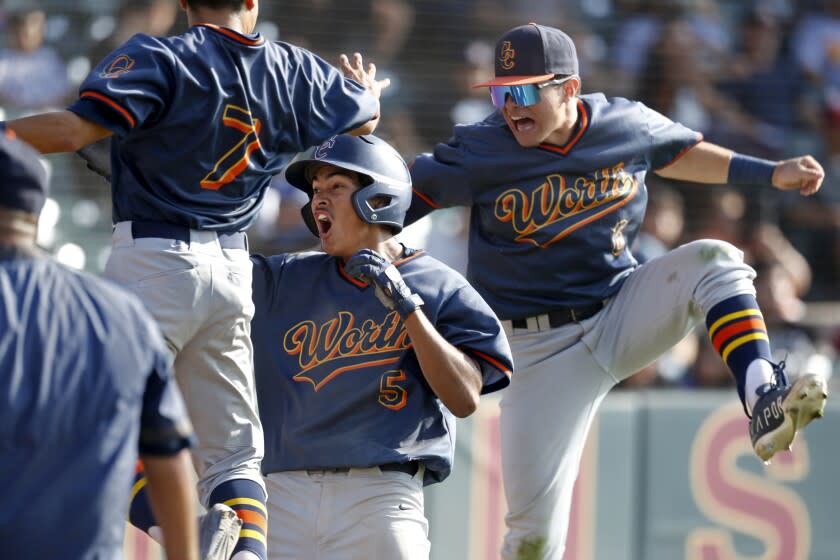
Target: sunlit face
(548,120)
(29,35)
(340,229)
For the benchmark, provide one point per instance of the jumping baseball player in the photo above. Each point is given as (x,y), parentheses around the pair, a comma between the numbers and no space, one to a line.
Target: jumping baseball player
(360,374)
(199,123)
(555,181)
(86,382)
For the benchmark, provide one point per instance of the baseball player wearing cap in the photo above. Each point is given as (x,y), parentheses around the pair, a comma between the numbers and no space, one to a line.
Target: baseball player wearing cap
(86,382)
(555,181)
(199,123)
(360,375)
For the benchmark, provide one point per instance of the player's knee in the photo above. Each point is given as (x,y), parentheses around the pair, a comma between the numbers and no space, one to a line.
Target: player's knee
(718,270)
(714,250)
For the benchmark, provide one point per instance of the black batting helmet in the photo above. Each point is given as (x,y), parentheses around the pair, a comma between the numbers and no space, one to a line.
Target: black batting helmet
(384,175)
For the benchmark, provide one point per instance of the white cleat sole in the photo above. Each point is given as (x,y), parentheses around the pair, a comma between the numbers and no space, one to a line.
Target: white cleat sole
(804,402)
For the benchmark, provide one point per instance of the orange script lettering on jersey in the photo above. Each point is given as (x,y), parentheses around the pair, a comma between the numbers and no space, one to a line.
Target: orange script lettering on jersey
(327,350)
(556,202)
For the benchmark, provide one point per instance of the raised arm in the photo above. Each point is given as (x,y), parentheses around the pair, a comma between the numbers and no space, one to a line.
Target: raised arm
(58,131)
(710,163)
(367,78)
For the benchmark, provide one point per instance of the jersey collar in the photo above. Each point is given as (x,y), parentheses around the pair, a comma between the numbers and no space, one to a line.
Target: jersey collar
(408,255)
(581,126)
(252,40)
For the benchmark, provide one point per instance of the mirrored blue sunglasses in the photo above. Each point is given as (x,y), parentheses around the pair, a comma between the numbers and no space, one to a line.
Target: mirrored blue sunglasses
(523,96)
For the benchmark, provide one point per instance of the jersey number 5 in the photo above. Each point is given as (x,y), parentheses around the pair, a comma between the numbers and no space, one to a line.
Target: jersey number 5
(391,395)
(235,161)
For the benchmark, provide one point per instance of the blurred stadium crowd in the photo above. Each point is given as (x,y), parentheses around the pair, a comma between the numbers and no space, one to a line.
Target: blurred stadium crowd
(759,76)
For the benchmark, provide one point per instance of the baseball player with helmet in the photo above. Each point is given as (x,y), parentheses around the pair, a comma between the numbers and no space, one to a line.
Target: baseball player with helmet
(555,180)
(360,375)
(86,382)
(199,123)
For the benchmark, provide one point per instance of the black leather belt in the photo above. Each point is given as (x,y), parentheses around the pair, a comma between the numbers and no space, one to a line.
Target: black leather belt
(562,316)
(410,468)
(163,230)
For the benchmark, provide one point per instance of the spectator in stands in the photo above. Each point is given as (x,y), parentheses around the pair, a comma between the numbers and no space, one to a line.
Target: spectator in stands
(766,86)
(152,17)
(670,79)
(641,24)
(32,75)
(816,45)
(816,48)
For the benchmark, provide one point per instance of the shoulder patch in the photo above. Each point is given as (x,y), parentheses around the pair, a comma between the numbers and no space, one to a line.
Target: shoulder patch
(119,66)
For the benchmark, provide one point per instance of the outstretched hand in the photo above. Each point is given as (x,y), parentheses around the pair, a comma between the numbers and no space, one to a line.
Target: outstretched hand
(369,266)
(366,78)
(803,173)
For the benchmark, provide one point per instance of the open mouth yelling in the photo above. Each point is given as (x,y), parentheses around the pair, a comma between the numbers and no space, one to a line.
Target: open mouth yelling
(324,223)
(522,124)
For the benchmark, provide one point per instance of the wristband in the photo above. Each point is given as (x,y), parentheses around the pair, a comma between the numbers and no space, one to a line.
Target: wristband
(747,170)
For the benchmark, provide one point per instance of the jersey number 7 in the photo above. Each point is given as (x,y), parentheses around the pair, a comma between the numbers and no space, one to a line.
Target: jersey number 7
(234,162)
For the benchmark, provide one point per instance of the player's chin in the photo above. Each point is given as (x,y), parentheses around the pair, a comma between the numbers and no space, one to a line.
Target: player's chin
(328,248)
(332,246)
(527,140)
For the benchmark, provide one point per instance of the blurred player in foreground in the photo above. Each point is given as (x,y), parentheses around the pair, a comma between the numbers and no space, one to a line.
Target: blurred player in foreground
(363,355)
(555,180)
(199,123)
(85,381)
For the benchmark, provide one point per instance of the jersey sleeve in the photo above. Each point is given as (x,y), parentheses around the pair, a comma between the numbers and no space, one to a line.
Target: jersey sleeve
(325,102)
(266,278)
(667,140)
(261,283)
(467,322)
(165,428)
(440,179)
(128,87)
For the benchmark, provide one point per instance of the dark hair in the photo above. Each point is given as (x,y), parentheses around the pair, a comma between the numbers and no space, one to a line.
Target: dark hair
(18,17)
(234,5)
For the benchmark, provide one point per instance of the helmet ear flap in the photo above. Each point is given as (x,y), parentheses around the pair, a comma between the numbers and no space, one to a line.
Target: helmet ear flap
(309,218)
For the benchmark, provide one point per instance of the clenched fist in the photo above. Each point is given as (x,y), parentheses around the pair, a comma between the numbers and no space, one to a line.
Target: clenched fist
(369,266)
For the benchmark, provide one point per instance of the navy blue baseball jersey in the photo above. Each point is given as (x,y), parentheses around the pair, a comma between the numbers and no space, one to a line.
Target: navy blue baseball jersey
(337,380)
(260,102)
(84,380)
(556,222)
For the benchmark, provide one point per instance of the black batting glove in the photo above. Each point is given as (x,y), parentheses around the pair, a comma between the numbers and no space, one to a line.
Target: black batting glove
(371,267)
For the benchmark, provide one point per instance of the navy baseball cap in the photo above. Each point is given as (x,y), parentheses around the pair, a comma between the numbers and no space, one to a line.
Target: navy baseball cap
(530,54)
(23,180)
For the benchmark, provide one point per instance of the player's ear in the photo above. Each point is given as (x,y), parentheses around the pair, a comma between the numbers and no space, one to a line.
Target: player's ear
(574,84)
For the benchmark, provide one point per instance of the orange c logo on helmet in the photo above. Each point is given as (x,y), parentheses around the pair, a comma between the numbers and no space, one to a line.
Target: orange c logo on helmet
(506,56)
(119,66)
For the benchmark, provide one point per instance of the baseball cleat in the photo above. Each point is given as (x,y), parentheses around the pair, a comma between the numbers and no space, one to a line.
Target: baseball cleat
(218,532)
(783,410)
